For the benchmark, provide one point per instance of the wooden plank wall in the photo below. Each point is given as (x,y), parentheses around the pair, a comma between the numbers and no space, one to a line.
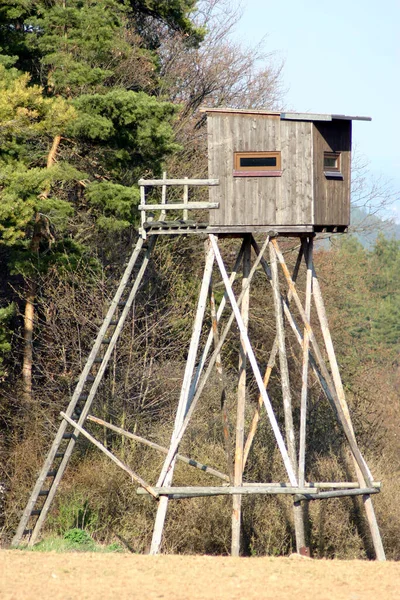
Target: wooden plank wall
(285,200)
(332,196)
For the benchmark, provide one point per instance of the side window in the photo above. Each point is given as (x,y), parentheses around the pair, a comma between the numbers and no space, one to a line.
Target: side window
(257,164)
(332,166)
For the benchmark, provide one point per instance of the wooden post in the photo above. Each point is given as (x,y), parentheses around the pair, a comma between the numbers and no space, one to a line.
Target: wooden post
(324,370)
(200,387)
(286,394)
(184,401)
(254,365)
(185,201)
(142,212)
(241,401)
(364,482)
(222,382)
(220,310)
(163,213)
(267,375)
(306,352)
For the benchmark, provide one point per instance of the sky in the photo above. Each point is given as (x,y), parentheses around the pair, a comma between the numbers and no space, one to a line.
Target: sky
(340,58)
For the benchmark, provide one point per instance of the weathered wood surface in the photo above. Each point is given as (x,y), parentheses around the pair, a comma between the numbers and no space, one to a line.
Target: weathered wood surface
(241,405)
(285,200)
(194,491)
(306,351)
(189,461)
(337,494)
(323,485)
(145,486)
(253,362)
(185,401)
(322,365)
(331,197)
(204,379)
(222,383)
(167,182)
(179,206)
(267,375)
(286,394)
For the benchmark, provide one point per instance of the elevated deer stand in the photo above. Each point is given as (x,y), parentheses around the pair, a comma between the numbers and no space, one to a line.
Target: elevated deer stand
(272,174)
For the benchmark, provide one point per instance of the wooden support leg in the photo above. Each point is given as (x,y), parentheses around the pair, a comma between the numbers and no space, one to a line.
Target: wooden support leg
(184,400)
(286,394)
(324,370)
(220,310)
(267,375)
(367,500)
(222,382)
(175,443)
(241,401)
(306,352)
(254,365)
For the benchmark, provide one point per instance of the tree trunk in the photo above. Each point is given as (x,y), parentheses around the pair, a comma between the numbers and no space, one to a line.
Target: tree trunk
(31,289)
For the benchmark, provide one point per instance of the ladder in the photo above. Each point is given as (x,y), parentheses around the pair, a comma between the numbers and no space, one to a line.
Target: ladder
(47,483)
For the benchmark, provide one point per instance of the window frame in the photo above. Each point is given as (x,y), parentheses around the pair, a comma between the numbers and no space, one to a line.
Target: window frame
(266,171)
(336,170)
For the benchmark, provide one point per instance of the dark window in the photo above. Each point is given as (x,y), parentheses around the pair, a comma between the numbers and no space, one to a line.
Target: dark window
(331,161)
(261,161)
(257,164)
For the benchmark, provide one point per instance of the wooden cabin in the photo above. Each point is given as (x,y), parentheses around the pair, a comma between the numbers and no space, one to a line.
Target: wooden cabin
(284,171)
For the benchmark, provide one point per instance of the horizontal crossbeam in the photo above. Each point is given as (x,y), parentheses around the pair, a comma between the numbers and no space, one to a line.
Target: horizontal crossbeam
(191,182)
(197,491)
(180,206)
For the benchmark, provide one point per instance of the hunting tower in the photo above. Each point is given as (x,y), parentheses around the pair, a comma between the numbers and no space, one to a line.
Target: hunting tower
(274,174)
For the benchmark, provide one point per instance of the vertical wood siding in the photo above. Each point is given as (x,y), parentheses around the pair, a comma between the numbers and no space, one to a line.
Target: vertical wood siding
(332,196)
(302,195)
(285,200)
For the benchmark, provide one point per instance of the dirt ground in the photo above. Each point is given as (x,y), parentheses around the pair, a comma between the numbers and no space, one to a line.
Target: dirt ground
(102,576)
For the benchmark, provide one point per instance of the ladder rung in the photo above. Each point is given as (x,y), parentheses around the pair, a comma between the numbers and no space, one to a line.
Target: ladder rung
(59,455)
(83,397)
(68,436)
(44,492)
(27,531)
(51,473)
(37,511)
(106,341)
(121,304)
(114,323)
(98,359)
(90,378)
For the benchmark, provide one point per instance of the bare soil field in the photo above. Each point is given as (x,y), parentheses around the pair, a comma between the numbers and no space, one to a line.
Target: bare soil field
(102,576)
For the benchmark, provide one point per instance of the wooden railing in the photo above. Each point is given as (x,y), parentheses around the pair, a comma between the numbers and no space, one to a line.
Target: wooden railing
(164,206)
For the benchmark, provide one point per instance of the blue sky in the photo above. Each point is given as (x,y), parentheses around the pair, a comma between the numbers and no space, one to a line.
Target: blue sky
(340,57)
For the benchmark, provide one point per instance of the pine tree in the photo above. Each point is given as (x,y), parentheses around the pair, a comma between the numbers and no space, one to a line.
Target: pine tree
(73,141)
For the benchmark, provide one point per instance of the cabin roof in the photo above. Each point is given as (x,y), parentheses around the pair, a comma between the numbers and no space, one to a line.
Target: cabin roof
(284,116)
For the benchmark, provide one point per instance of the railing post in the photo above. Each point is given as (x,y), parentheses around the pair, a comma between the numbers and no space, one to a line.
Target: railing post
(185,201)
(163,213)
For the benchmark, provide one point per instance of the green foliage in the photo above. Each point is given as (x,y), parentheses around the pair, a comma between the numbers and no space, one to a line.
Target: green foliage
(78,536)
(115,203)
(137,129)
(75,540)
(372,282)
(75,515)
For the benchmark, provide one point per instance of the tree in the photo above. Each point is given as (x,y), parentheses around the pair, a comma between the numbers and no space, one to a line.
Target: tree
(73,143)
